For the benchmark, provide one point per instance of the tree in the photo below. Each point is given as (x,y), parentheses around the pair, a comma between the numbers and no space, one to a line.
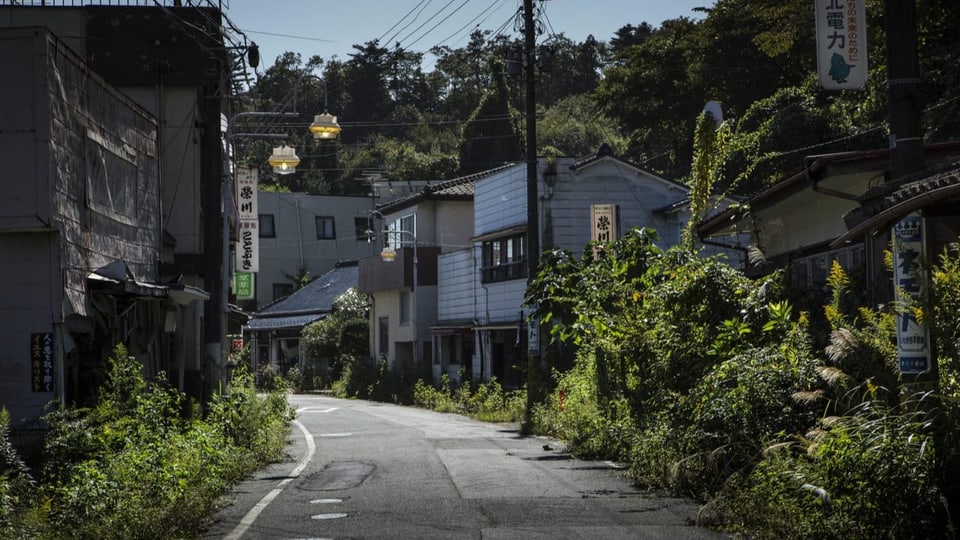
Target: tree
(575,126)
(489,137)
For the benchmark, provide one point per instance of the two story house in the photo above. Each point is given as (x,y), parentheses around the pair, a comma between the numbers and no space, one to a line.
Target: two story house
(597,197)
(408,235)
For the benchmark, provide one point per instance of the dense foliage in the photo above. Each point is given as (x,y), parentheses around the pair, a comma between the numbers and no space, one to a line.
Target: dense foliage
(640,90)
(330,343)
(134,466)
(711,385)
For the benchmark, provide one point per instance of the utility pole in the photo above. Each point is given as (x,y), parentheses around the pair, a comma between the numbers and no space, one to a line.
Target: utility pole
(534,370)
(906,131)
(530,64)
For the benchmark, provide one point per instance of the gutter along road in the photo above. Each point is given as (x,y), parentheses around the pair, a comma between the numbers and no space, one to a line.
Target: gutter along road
(371,470)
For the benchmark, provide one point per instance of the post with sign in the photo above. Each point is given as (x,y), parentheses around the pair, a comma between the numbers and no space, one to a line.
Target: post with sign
(841,44)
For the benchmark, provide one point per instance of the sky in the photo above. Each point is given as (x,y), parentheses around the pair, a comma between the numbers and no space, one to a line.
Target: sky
(332,27)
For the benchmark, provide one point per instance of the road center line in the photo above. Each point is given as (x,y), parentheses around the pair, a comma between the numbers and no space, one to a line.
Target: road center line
(254,512)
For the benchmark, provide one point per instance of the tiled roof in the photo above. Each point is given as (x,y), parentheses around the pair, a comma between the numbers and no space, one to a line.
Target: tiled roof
(456,188)
(309,303)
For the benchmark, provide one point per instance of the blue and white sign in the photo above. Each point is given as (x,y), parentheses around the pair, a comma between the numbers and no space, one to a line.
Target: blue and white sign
(912,339)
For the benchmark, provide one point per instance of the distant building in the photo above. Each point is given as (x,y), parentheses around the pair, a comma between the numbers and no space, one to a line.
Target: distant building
(312,233)
(274,331)
(464,311)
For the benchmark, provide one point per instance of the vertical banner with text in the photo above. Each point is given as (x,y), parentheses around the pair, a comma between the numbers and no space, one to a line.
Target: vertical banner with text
(243,285)
(912,339)
(841,44)
(41,362)
(603,219)
(248,238)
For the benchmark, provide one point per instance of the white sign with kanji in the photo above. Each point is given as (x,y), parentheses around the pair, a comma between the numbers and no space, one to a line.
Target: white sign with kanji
(841,43)
(248,237)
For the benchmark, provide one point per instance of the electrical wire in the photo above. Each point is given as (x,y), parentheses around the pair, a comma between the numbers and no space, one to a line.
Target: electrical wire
(380,39)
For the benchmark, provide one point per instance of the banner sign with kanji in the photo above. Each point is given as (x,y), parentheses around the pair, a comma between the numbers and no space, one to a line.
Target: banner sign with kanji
(841,43)
(41,362)
(912,339)
(603,219)
(243,285)
(248,238)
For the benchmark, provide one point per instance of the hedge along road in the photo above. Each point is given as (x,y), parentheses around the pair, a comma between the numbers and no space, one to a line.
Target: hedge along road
(371,470)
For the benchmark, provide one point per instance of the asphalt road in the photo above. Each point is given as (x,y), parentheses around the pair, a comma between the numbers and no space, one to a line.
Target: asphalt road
(369,470)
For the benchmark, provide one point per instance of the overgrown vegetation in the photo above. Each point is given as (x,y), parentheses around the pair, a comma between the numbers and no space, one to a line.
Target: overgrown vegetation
(135,466)
(486,401)
(712,385)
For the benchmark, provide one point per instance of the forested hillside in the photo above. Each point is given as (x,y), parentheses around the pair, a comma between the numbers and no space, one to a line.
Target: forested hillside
(639,90)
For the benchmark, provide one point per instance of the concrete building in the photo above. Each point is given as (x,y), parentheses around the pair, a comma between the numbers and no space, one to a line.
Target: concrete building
(80,230)
(177,67)
(312,233)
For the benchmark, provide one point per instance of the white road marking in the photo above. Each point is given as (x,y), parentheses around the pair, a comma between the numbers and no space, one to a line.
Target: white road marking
(254,512)
(326,501)
(316,410)
(334,434)
(336,515)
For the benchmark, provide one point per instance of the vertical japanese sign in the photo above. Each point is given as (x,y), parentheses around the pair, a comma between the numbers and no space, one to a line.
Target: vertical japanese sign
(912,339)
(533,333)
(243,285)
(603,219)
(248,247)
(841,44)
(41,362)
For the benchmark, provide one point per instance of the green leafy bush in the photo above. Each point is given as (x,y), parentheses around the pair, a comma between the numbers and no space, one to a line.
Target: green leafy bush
(133,467)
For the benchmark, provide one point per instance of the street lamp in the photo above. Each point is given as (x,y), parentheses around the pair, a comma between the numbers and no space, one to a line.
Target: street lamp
(324,125)
(284,160)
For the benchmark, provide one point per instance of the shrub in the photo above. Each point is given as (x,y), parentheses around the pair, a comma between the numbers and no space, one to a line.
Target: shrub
(131,467)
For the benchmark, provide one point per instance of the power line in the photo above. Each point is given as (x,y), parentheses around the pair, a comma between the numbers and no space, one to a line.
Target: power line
(404,17)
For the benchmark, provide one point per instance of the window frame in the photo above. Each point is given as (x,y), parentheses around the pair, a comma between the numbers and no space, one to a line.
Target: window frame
(321,222)
(264,231)
(504,258)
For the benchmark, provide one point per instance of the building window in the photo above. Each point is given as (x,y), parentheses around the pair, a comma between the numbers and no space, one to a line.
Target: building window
(281,290)
(504,259)
(404,307)
(362,227)
(325,228)
(384,330)
(267,229)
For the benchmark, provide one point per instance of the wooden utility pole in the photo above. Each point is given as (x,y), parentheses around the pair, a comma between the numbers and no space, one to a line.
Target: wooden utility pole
(906,131)
(534,369)
(530,63)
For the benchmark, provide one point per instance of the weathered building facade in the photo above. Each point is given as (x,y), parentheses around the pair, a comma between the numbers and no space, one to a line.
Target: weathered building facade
(79,227)
(149,215)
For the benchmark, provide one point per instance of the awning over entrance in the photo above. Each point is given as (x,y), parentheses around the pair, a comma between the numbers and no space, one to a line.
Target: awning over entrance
(118,278)
(451,328)
(282,323)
